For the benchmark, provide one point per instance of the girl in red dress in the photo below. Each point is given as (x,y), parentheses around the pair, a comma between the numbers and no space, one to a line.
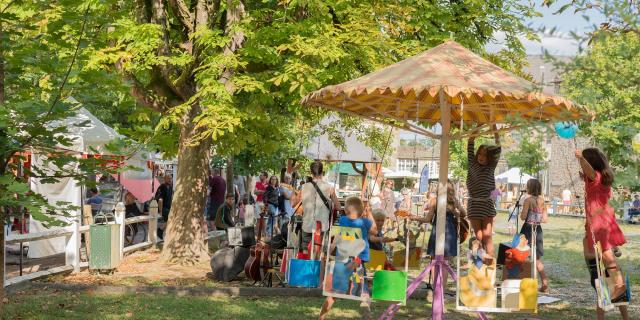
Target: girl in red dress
(601,222)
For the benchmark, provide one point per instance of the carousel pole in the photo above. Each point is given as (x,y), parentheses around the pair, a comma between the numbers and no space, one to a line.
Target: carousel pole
(439,263)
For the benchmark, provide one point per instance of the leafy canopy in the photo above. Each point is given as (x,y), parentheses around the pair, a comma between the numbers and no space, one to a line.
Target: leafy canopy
(290,48)
(607,79)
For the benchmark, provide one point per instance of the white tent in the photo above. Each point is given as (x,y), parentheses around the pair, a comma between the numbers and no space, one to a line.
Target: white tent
(321,147)
(401,174)
(89,136)
(87,131)
(513,176)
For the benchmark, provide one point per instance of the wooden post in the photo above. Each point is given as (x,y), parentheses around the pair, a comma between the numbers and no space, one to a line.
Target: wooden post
(87,220)
(153,223)
(72,246)
(445,122)
(119,213)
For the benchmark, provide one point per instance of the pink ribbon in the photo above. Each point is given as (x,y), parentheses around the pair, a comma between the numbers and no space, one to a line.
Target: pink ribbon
(439,264)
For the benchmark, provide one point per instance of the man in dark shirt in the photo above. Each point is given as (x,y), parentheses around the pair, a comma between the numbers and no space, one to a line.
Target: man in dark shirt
(165,192)
(223,218)
(218,188)
(635,207)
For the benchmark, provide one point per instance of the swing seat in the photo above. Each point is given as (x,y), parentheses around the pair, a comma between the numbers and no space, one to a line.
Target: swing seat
(390,286)
(304,273)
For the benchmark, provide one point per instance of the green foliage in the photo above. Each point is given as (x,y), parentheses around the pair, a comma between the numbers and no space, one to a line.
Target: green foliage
(290,48)
(41,46)
(529,156)
(607,79)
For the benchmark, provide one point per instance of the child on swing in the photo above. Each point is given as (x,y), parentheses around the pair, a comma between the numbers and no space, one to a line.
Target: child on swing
(355,218)
(533,214)
(601,223)
(480,183)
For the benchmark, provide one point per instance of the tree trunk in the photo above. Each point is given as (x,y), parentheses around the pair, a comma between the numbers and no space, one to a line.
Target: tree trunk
(2,257)
(184,241)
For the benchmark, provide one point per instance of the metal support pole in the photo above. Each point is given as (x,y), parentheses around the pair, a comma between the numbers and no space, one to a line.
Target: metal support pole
(438,293)
(445,114)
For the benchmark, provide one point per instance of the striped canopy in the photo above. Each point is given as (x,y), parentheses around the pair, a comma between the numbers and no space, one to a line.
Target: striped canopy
(409,91)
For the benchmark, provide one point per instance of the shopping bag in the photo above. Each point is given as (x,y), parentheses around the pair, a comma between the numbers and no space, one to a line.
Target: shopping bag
(304,273)
(390,286)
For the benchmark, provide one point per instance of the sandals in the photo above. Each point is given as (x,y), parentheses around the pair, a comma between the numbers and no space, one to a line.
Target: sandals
(624,297)
(544,289)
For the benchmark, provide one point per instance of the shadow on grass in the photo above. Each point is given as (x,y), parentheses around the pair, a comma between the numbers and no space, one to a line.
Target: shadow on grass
(49,304)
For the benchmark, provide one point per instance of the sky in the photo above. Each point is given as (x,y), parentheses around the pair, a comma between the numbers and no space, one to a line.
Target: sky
(560,43)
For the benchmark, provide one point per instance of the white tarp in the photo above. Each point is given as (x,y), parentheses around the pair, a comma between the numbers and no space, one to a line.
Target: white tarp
(513,176)
(321,147)
(66,189)
(93,133)
(401,174)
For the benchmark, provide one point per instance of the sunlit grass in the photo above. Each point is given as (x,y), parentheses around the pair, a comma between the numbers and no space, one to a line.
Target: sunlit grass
(49,304)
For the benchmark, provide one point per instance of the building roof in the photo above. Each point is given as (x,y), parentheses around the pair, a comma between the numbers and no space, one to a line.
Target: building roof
(543,72)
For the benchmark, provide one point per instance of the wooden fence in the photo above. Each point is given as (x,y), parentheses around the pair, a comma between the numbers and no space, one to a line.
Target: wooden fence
(72,234)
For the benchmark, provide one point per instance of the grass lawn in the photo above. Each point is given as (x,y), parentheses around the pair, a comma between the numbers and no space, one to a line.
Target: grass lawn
(49,304)
(563,261)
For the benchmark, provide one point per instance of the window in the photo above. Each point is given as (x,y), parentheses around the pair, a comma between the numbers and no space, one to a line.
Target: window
(408,165)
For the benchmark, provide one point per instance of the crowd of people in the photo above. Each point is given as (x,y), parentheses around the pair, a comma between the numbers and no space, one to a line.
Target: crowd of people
(279,199)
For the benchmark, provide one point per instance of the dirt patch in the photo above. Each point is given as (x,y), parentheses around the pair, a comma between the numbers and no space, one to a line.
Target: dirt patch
(143,268)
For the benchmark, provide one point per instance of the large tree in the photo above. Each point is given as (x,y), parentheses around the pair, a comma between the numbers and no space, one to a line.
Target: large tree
(228,75)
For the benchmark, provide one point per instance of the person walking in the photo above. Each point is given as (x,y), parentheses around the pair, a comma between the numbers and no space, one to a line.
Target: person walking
(164,193)
(218,188)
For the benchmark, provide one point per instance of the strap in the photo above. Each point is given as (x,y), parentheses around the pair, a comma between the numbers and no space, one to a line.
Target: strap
(322,196)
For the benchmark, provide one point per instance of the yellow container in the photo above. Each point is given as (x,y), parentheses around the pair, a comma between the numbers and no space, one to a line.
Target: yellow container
(529,294)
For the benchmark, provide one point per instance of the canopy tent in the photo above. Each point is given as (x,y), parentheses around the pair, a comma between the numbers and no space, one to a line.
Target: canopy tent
(90,137)
(513,176)
(446,84)
(347,169)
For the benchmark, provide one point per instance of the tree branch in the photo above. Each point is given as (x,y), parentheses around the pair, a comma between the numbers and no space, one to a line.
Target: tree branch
(159,17)
(184,15)
(142,95)
(234,15)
